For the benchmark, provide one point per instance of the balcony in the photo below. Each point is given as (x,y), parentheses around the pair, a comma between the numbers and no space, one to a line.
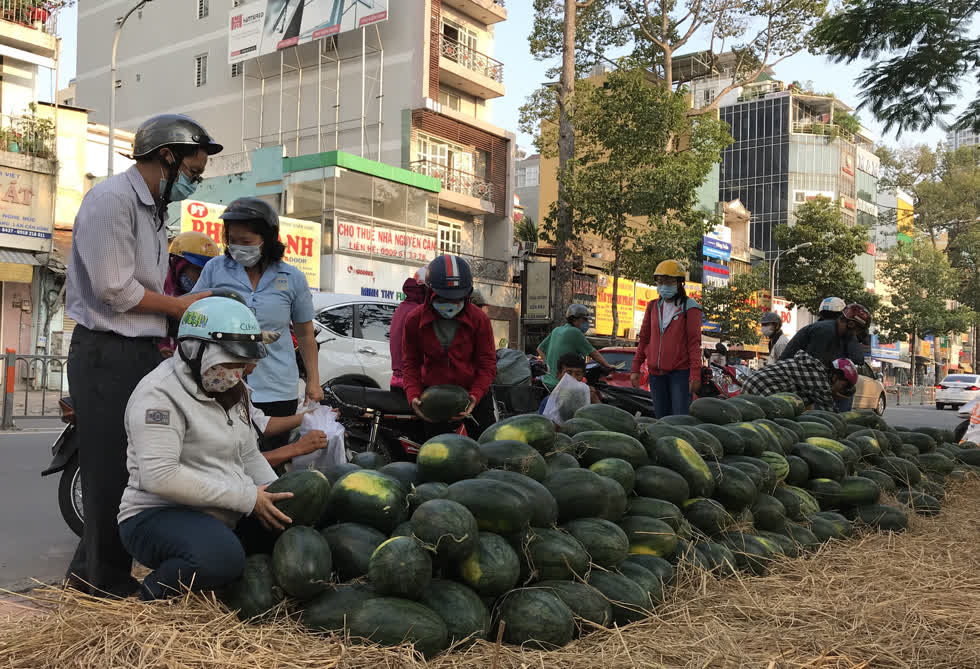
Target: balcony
(461,191)
(485,11)
(27,142)
(487,268)
(829,130)
(468,70)
(29,25)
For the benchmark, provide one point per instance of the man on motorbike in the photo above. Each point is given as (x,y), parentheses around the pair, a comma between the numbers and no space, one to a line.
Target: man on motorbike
(830,309)
(189,252)
(772,329)
(807,377)
(568,338)
(829,340)
(449,340)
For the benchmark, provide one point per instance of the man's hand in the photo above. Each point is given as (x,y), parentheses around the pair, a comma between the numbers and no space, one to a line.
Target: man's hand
(594,396)
(314,393)
(265,509)
(467,411)
(417,408)
(635,379)
(694,385)
(185,301)
(312,441)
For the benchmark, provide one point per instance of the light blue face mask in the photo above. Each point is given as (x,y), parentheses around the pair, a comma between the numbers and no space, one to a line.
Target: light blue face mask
(584,326)
(448,309)
(667,292)
(182,189)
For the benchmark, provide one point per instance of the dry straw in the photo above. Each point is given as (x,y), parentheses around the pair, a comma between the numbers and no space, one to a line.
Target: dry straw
(879,601)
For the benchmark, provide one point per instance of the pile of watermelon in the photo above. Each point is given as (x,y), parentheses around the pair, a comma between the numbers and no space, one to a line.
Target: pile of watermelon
(533,535)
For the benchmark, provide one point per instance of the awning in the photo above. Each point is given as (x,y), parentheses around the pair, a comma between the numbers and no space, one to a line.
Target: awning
(19,257)
(901,364)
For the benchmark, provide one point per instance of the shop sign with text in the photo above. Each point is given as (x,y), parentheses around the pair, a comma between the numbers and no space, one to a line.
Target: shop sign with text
(390,243)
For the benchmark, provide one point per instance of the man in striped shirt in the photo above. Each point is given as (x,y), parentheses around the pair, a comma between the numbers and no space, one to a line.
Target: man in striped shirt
(115,293)
(805,376)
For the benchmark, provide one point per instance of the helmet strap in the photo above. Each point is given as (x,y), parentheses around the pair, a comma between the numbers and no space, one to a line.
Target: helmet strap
(194,363)
(172,170)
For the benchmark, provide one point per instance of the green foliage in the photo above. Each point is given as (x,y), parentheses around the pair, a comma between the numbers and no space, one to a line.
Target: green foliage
(826,267)
(677,238)
(846,122)
(526,230)
(731,308)
(921,53)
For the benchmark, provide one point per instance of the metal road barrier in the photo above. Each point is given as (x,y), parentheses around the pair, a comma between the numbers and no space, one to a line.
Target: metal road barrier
(33,384)
(909,395)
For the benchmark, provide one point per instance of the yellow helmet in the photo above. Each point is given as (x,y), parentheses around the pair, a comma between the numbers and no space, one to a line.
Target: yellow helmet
(195,247)
(671,268)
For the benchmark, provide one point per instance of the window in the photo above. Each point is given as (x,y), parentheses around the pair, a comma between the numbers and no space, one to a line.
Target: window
(339,320)
(440,152)
(69,102)
(450,238)
(237,3)
(376,321)
(457,101)
(202,9)
(200,70)
(237,69)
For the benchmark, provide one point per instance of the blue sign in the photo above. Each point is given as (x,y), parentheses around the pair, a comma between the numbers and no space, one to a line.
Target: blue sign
(885,351)
(715,248)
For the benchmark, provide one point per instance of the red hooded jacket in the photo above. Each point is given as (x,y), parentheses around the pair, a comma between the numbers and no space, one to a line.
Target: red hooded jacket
(679,347)
(470,362)
(414,296)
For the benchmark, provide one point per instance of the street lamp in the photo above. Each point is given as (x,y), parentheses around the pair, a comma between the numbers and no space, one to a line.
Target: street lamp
(772,274)
(120,22)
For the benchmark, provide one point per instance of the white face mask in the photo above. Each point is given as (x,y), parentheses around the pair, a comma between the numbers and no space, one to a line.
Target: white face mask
(768,330)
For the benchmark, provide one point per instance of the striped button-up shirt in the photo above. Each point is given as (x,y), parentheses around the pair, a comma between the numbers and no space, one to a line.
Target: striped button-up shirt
(802,374)
(118,252)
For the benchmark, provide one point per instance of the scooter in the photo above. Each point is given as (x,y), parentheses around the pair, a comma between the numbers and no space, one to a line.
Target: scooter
(633,400)
(65,460)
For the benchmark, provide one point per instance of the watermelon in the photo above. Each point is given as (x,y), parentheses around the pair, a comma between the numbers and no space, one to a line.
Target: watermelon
(580,493)
(534,430)
(255,592)
(573,426)
(391,621)
(808,503)
(823,529)
(497,506)
(782,408)
(338,471)
(369,497)
(544,508)
(882,517)
(798,470)
(788,547)
(310,489)
(441,403)
(618,470)
(423,493)
(351,546)
(707,515)
(449,458)
(658,566)
(920,502)
(661,483)
(718,557)
(614,500)
(595,446)
(714,410)
(748,411)
(331,609)
(681,419)
(403,530)
(750,552)
(858,491)
(730,440)
(605,542)
(630,601)
(822,463)
(934,489)
(445,527)
(768,513)
(585,602)
(493,568)
(461,609)
(369,460)
(816,427)
(778,467)
(841,524)
(848,455)
(885,482)
(400,567)
(534,616)
(680,456)
(646,579)
(515,456)
(902,471)
(563,442)
(923,442)
(733,488)
(611,418)
(754,440)
(556,461)
(826,491)
(935,462)
(789,501)
(301,562)
(649,536)
(794,400)
(660,509)
(795,428)
(406,472)
(552,555)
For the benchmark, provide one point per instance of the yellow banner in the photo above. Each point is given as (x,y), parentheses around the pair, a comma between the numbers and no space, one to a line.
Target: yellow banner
(624,309)
(302,239)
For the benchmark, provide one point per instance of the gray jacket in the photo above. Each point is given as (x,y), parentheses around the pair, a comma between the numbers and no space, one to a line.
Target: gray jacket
(186,450)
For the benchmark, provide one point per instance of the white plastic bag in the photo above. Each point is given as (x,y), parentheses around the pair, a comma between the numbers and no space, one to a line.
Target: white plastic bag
(568,397)
(973,431)
(334,453)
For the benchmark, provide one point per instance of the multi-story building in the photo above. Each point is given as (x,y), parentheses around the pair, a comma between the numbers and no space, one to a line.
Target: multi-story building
(526,180)
(956,139)
(404,84)
(788,150)
(896,219)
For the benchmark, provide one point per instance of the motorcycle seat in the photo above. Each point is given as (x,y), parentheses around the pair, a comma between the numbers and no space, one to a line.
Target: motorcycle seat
(384,401)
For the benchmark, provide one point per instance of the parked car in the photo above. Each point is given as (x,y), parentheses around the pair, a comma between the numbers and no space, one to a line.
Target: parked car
(352,333)
(869,392)
(622,357)
(956,390)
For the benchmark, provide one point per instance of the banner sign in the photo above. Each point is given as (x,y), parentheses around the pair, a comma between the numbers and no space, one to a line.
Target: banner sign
(265,26)
(868,162)
(538,306)
(715,248)
(604,306)
(25,210)
(390,243)
(301,238)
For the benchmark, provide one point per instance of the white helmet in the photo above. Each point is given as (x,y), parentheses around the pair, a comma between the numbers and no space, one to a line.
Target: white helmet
(833,304)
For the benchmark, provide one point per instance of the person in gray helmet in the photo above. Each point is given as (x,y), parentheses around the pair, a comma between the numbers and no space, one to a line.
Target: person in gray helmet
(568,338)
(772,329)
(115,292)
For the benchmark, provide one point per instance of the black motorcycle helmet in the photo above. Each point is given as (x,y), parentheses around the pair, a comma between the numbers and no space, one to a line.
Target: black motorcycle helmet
(262,219)
(450,277)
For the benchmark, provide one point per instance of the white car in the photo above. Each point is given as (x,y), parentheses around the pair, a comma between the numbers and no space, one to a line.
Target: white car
(957,389)
(352,332)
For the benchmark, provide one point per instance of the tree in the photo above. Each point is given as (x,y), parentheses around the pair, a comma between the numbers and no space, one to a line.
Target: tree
(921,52)
(734,309)
(526,230)
(621,179)
(826,267)
(678,238)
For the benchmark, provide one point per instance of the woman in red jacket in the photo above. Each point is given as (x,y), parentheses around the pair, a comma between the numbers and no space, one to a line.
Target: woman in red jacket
(449,340)
(670,343)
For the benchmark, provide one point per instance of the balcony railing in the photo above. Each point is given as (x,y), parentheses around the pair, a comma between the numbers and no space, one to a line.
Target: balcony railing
(29,134)
(487,268)
(37,14)
(827,129)
(455,180)
(471,59)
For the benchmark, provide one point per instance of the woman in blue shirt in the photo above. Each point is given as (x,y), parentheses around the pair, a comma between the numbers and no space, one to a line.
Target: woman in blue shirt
(277,293)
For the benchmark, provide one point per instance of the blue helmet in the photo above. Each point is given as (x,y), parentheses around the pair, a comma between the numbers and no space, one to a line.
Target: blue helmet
(450,277)
(226,322)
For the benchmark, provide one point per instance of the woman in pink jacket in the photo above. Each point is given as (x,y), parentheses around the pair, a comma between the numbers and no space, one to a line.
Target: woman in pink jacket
(670,343)
(414,289)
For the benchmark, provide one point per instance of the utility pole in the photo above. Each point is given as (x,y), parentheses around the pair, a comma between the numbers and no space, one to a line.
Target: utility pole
(113,84)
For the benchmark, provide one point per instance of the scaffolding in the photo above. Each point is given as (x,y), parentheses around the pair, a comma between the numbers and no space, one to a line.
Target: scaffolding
(279,109)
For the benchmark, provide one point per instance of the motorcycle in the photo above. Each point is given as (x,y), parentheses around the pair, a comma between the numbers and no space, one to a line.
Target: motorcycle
(633,400)
(65,460)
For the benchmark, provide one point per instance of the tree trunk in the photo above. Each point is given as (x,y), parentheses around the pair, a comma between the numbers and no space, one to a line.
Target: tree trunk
(566,152)
(912,359)
(615,293)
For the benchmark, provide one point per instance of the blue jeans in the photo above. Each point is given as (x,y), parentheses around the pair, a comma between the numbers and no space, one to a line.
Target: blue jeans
(184,547)
(842,404)
(671,393)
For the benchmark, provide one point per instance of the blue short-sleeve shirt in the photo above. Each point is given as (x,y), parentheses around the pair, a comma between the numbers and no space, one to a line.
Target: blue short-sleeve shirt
(282,297)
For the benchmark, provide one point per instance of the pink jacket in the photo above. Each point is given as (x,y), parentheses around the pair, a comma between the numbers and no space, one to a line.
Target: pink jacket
(414,296)
(679,347)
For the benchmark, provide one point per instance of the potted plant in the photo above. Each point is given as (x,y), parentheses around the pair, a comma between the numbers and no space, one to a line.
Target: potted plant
(36,133)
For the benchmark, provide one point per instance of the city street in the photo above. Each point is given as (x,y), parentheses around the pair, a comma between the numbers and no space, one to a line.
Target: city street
(921,416)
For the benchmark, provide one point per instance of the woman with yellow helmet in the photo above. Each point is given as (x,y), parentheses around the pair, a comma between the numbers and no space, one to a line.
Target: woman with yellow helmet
(189,252)
(670,343)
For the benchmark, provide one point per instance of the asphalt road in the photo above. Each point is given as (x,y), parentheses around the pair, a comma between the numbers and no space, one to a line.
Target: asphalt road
(921,416)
